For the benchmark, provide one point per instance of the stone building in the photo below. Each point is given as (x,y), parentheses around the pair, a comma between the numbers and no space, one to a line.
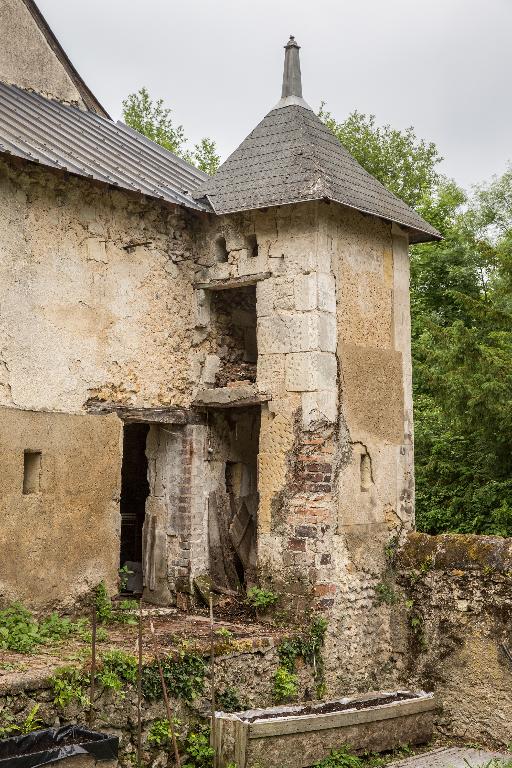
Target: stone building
(197,375)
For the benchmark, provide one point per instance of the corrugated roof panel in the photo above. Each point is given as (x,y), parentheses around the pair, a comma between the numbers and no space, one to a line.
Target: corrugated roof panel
(86,144)
(291,157)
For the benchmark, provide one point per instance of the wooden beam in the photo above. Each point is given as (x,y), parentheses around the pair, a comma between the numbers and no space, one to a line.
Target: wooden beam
(157,415)
(232,282)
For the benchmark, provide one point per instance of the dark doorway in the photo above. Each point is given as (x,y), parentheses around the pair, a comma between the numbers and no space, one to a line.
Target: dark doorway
(134,492)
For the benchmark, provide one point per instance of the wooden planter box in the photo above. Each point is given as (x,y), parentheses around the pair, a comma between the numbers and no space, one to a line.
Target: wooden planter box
(295,737)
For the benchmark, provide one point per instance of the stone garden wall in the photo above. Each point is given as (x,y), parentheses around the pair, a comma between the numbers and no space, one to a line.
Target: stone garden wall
(458,610)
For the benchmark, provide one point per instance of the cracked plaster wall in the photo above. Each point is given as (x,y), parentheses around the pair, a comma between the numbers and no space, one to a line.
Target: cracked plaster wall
(59,542)
(26,59)
(96,295)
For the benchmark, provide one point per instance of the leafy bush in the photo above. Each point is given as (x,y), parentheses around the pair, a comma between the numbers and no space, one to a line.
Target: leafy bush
(340,758)
(121,664)
(228,700)
(197,747)
(159,735)
(20,631)
(285,685)
(261,599)
(183,675)
(69,684)
(385,593)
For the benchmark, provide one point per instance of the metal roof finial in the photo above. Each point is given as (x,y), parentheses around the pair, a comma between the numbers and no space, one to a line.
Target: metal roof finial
(292,83)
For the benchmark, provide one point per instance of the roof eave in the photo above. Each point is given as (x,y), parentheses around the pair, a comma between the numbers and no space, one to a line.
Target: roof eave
(416,235)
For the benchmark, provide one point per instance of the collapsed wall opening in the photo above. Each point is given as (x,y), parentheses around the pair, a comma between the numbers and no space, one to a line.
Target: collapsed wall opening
(233,444)
(134,492)
(234,313)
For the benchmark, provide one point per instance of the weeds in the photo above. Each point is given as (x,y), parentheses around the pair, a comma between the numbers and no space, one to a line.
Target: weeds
(183,675)
(261,599)
(340,758)
(228,700)
(29,724)
(197,748)
(69,684)
(21,632)
(386,594)
(307,646)
(285,685)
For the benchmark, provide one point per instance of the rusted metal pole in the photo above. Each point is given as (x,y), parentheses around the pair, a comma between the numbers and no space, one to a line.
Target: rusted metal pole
(166,697)
(139,691)
(93,665)
(212,672)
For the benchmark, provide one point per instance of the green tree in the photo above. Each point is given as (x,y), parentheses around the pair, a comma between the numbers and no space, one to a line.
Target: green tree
(154,120)
(461,306)
(403,163)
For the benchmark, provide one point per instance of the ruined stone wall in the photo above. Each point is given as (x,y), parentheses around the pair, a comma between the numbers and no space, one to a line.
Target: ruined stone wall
(26,59)
(456,603)
(247,672)
(58,537)
(96,294)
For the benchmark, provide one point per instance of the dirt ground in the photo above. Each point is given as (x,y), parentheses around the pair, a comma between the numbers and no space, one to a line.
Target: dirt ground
(174,630)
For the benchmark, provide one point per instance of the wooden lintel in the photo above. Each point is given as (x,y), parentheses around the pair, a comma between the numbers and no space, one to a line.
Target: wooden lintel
(232,282)
(131,415)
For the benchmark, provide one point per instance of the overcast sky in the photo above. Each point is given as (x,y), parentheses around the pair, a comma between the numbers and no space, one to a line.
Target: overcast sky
(443,66)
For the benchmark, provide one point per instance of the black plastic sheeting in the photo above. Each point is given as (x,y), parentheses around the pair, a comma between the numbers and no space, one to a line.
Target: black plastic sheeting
(54,744)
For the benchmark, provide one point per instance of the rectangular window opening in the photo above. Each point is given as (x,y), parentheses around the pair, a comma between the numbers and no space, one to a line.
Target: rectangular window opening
(31,472)
(234,315)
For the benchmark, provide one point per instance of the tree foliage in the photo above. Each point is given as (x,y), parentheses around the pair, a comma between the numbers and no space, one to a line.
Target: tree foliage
(154,120)
(461,305)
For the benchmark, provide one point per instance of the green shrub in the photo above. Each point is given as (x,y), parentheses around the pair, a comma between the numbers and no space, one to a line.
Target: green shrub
(261,599)
(198,750)
(159,735)
(121,664)
(340,758)
(20,631)
(228,700)
(69,684)
(183,675)
(285,685)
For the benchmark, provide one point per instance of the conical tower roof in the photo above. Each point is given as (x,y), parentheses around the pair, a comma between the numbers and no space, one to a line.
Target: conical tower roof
(292,157)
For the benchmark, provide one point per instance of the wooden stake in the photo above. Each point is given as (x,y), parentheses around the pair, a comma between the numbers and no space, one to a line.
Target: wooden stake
(212,663)
(93,666)
(166,697)
(139,691)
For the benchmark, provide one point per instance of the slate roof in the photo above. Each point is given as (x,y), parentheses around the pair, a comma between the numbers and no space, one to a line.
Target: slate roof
(291,157)
(84,143)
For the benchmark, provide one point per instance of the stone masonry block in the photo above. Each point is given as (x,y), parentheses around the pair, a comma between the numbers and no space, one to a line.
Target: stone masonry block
(326,292)
(283,332)
(310,371)
(319,406)
(305,292)
(271,372)
(265,297)
(210,368)
(327,332)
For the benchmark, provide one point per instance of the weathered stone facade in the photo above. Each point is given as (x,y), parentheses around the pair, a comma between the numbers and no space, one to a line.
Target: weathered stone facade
(459,630)
(266,350)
